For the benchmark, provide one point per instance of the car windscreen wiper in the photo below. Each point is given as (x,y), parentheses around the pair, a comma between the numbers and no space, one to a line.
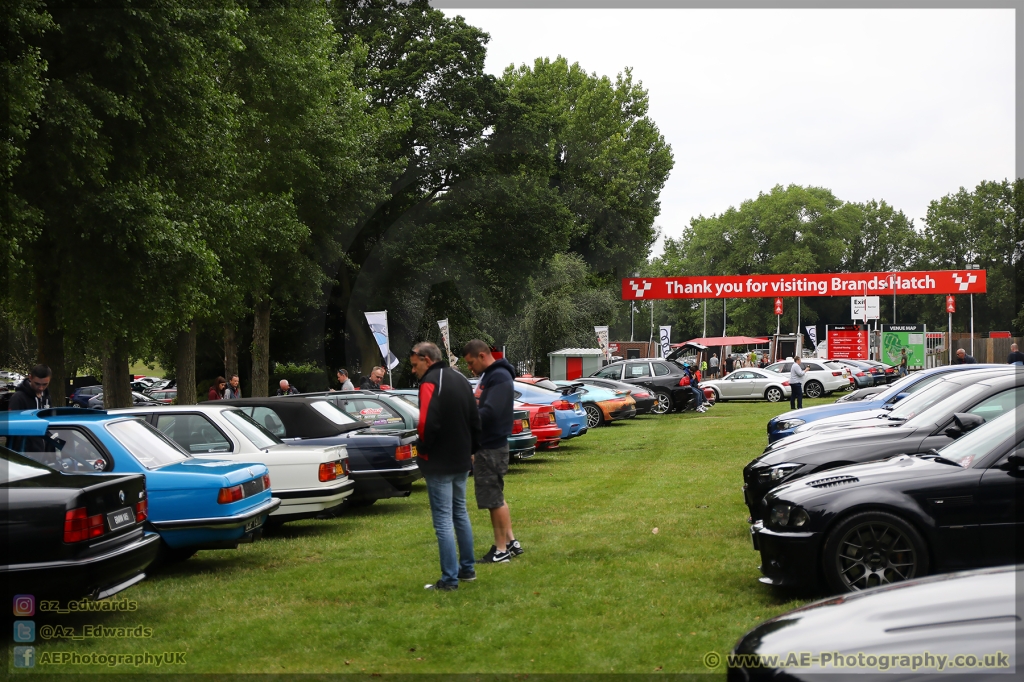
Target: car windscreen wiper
(934,456)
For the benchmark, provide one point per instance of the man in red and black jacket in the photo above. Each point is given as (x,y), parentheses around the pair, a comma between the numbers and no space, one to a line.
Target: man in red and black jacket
(449,430)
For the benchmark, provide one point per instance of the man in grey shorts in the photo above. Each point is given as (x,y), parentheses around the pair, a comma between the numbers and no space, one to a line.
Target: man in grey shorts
(495,394)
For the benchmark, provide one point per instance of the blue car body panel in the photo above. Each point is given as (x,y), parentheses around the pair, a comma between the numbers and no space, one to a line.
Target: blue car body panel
(182,496)
(572,422)
(878,402)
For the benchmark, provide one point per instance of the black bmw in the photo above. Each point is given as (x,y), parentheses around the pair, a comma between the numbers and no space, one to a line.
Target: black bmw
(931,419)
(883,522)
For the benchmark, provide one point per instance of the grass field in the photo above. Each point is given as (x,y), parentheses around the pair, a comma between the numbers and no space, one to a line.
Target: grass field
(638,560)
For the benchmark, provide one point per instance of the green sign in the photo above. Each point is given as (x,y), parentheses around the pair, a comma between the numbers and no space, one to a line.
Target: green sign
(899,337)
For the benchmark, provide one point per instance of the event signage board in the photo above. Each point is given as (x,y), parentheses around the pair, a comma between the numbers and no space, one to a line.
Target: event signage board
(773,286)
(847,341)
(899,337)
(951,304)
(857,305)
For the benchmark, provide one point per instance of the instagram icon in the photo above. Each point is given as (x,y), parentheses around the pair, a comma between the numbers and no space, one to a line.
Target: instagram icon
(24,605)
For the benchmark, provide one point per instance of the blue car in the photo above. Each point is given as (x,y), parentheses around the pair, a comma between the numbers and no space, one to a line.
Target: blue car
(569,413)
(192,503)
(783,425)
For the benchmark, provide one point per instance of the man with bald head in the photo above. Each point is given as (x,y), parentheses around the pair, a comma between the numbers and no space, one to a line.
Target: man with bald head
(962,358)
(286,388)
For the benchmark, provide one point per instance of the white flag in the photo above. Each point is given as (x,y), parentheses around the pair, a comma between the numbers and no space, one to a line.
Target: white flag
(378,322)
(812,334)
(666,340)
(602,338)
(443,324)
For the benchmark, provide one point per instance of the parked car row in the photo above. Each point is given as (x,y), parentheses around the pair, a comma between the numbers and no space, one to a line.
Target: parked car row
(921,478)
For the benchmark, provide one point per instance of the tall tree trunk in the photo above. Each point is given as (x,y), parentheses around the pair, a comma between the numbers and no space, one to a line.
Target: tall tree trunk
(117,388)
(50,337)
(185,365)
(230,351)
(261,350)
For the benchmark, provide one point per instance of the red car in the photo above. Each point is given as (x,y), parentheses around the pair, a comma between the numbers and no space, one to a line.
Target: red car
(542,423)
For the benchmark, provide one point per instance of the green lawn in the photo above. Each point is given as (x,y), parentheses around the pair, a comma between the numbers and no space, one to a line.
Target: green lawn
(597,591)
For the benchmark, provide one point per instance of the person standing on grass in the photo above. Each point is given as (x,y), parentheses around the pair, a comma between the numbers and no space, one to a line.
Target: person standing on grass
(1015,357)
(372,382)
(234,389)
(713,366)
(33,393)
(494,394)
(449,431)
(962,358)
(217,388)
(796,383)
(904,363)
(346,383)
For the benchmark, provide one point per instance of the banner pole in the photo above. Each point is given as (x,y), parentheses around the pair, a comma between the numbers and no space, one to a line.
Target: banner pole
(949,332)
(704,334)
(972,325)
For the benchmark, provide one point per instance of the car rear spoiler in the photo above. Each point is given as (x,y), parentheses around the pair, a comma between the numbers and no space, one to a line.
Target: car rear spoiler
(570,389)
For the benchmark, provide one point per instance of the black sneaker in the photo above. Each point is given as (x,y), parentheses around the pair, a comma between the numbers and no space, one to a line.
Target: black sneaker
(493,556)
(467,575)
(515,549)
(441,587)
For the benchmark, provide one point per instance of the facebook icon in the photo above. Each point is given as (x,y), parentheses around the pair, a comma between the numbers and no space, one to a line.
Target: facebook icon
(24,657)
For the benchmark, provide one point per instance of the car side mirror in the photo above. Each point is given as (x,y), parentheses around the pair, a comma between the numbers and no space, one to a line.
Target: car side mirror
(1016,459)
(962,423)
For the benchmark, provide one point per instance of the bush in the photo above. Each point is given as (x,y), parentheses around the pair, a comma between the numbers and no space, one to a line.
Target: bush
(308,378)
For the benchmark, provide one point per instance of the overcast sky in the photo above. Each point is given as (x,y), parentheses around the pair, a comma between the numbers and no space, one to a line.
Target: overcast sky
(901,105)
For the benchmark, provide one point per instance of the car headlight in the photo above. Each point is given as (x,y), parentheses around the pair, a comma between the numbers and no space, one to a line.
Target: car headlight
(788,424)
(778,472)
(783,515)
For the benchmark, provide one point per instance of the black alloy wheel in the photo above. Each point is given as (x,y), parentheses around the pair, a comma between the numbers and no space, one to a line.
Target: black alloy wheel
(773,394)
(663,403)
(871,549)
(594,416)
(814,389)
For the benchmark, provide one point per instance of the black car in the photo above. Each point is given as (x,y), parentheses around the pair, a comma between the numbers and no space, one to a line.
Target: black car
(72,535)
(966,621)
(662,377)
(644,397)
(383,462)
(871,524)
(95,402)
(961,402)
(378,409)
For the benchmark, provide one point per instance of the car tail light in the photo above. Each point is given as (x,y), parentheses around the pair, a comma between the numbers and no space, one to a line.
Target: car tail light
(837,374)
(785,383)
(141,511)
(642,394)
(684,379)
(328,471)
(403,452)
(266,481)
(859,374)
(517,426)
(563,405)
(234,493)
(79,526)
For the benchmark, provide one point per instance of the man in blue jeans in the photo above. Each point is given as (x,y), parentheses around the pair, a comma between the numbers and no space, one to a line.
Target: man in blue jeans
(449,430)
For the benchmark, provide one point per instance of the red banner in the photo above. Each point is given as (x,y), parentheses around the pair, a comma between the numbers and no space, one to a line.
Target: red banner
(772,286)
(847,341)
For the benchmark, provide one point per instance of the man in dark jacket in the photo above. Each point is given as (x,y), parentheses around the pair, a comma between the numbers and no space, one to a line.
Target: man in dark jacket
(374,381)
(34,392)
(494,394)
(962,358)
(449,430)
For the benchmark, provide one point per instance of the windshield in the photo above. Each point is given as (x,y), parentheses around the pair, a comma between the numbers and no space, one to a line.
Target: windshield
(251,429)
(333,413)
(146,444)
(975,445)
(915,405)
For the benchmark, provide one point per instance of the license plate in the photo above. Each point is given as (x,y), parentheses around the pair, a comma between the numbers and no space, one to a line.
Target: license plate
(253,523)
(120,518)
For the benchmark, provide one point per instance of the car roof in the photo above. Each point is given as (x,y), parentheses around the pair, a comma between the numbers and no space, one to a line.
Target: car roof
(35,422)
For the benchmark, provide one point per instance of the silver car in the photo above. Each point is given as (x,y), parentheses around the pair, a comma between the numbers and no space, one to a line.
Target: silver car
(750,384)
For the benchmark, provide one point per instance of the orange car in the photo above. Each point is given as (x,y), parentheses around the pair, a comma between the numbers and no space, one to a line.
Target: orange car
(602,405)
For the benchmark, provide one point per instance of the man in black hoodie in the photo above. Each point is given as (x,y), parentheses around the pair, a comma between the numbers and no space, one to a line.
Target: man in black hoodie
(34,392)
(495,394)
(449,430)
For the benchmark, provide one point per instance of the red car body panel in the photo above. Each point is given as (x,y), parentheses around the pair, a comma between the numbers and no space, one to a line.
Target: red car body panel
(542,423)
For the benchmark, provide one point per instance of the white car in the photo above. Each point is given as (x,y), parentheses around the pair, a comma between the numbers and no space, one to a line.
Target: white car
(750,384)
(820,379)
(308,480)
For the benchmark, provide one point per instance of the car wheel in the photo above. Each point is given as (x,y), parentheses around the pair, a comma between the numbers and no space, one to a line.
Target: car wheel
(871,549)
(594,416)
(814,389)
(173,555)
(773,394)
(663,403)
(717,395)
